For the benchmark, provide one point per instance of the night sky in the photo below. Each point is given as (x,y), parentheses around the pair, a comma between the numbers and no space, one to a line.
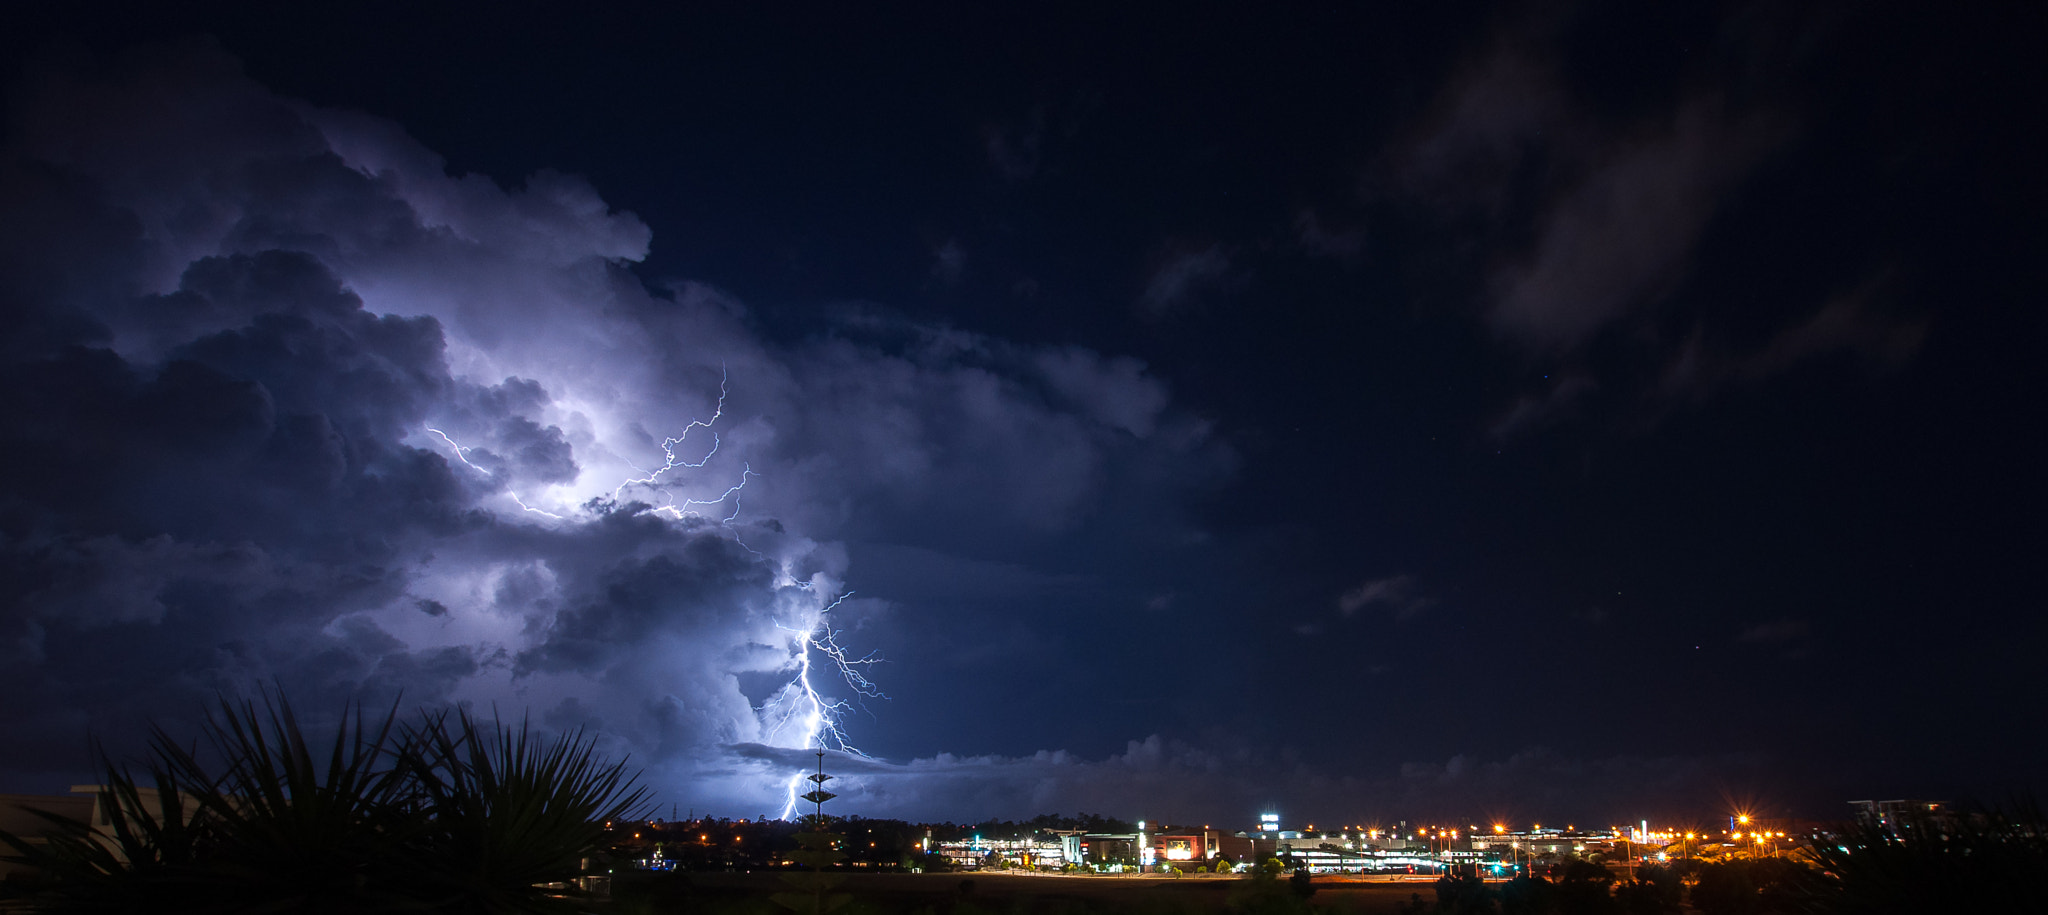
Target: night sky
(1539,412)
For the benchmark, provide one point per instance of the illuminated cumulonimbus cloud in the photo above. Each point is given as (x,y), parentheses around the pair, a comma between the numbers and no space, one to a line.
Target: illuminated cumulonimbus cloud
(293,404)
(373,428)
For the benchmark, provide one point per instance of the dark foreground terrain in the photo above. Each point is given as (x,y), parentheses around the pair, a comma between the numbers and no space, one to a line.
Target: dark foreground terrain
(946,894)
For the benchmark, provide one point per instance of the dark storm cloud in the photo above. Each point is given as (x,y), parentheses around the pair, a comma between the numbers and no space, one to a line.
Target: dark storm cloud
(1182,783)
(1541,782)
(289,402)
(1618,232)
(227,513)
(1849,323)
(1612,210)
(1589,221)
(700,582)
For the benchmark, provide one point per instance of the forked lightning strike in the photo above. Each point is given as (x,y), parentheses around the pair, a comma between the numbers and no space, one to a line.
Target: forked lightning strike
(816,717)
(461,455)
(670,462)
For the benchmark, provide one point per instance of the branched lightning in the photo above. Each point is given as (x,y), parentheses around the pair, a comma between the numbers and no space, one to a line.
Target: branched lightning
(670,462)
(817,715)
(461,455)
(798,705)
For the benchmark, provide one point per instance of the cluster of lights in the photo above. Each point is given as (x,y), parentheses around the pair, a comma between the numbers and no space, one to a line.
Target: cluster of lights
(1628,836)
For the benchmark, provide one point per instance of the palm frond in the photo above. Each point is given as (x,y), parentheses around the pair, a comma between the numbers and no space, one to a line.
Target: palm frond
(451,815)
(513,810)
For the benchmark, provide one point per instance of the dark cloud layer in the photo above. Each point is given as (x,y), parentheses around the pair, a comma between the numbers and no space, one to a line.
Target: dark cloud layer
(1327,409)
(1178,781)
(1598,220)
(292,404)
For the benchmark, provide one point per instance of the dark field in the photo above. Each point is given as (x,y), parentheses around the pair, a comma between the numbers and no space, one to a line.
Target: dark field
(942,894)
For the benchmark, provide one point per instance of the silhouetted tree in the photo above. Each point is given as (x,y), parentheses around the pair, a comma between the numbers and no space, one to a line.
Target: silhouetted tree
(1463,894)
(1979,861)
(1582,889)
(1261,892)
(1301,883)
(1655,890)
(1763,886)
(1526,895)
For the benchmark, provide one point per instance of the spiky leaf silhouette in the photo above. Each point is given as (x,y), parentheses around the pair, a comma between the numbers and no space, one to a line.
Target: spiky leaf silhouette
(447,816)
(1978,861)
(511,810)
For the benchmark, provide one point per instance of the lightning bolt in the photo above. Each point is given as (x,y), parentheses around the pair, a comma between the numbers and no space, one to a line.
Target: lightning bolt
(816,716)
(798,707)
(670,462)
(462,454)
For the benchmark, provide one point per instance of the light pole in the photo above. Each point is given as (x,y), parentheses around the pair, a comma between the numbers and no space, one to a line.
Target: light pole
(1499,830)
(1626,856)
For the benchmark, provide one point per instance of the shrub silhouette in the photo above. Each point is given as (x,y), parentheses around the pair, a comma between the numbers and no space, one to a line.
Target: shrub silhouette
(1583,888)
(1978,861)
(448,815)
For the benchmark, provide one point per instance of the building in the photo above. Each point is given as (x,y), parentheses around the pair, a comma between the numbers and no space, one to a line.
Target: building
(1892,816)
(1182,846)
(1097,848)
(1542,842)
(17,818)
(1028,852)
(84,805)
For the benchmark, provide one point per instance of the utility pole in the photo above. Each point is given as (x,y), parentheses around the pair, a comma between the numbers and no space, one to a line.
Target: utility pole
(816,851)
